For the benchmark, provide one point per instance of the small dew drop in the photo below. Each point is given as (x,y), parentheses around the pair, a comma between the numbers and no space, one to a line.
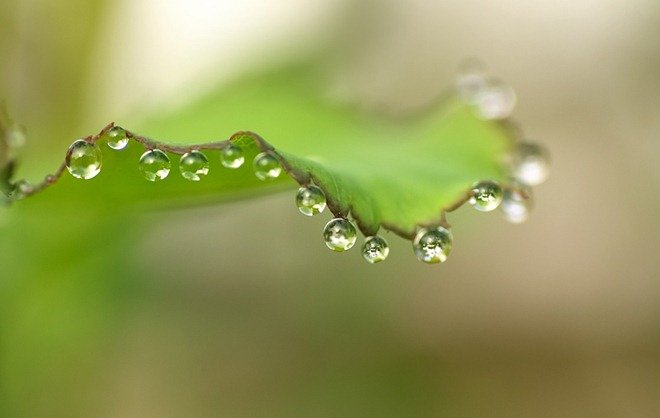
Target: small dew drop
(155,165)
(375,249)
(310,200)
(486,196)
(232,156)
(433,245)
(531,164)
(117,138)
(16,136)
(21,189)
(516,205)
(194,165)
(266,166)
(83,159)
(496,100)
(471,80)
(339,234)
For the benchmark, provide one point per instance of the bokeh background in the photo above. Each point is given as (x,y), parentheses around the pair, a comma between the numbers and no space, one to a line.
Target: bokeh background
(239,310)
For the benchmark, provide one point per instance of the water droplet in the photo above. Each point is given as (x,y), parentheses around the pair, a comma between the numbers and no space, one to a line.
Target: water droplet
(231,156)
(375,249)
(471,80)
(117,138)
(531,164)
(516,205)
(339,234)
(433,245)
(21,189)
(155,165)
(266,166)
(194,165)
(83,160)
(16,136)
(310,200)
(486,195)
(496,100)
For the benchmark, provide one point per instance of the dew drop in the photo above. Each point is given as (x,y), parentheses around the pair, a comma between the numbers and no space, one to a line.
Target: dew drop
(471,80)
(310,200)
(16,136)
(21,189)
(339,234)
(194,165)
(83,160)
(155,165)
(496,100)
(231,156)
(266,166)
(375,249)
(516,205)
(531,164)
(486,195)
(117,138)
(433,245)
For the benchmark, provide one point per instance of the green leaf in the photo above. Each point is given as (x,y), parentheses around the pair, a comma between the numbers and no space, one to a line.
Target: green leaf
(69,261)
(392,174)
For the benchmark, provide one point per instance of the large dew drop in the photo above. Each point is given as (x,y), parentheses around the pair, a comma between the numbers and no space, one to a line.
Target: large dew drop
(155,165)
(310,200)
(375,249)
(516,205)
(194,165)
(531,164)
(266,166)
(433,245)
(83,159)
(231,156)
(117,138)
(339,234)
(486,195)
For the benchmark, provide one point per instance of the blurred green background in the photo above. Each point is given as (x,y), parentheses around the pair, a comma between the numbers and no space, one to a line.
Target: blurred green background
(240,310)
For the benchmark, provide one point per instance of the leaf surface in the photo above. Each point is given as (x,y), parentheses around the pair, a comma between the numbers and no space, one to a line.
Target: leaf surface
(383,173)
